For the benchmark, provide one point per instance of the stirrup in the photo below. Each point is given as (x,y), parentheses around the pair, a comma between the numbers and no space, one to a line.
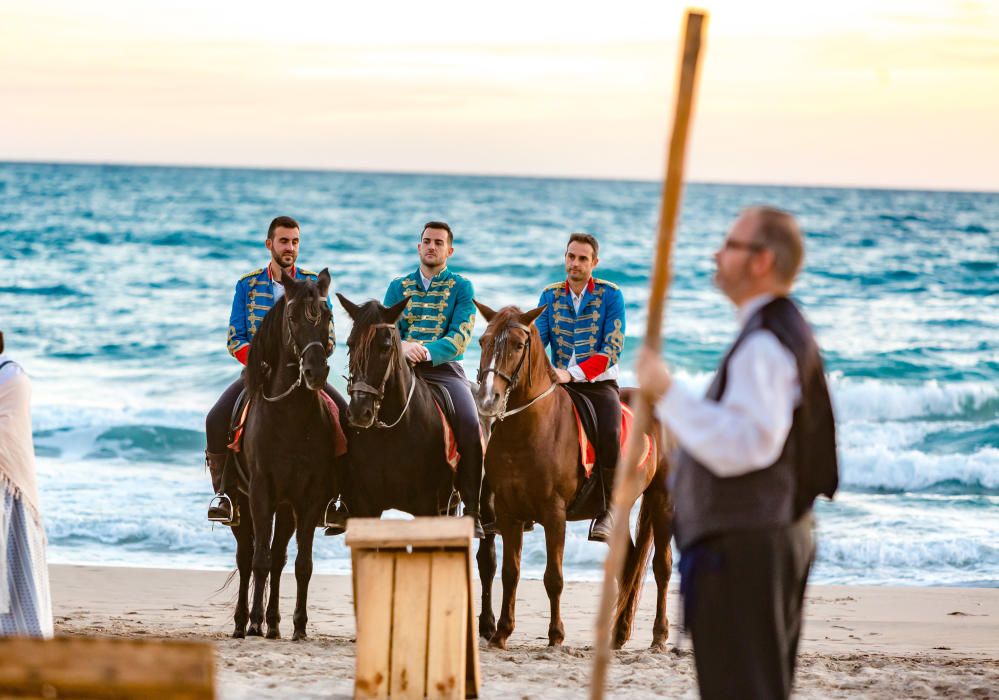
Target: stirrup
(453,501)
(217,501)
(336,503)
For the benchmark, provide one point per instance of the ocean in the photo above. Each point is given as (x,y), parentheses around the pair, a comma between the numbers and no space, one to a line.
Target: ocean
(117,284)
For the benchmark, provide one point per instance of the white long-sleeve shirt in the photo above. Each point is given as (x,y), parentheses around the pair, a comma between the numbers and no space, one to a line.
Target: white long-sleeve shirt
(746,429)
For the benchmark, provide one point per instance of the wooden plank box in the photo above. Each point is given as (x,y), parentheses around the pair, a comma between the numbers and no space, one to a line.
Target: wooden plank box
(94,667)
(413,603)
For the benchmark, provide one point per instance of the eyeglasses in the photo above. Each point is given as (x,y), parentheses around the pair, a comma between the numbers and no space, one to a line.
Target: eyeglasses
(742,245)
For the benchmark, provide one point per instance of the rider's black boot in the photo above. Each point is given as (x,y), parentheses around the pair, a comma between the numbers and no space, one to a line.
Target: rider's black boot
(220,510)
(603,524)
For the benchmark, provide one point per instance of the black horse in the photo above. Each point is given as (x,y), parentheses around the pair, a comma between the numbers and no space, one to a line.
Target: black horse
(289,447)
(396,447)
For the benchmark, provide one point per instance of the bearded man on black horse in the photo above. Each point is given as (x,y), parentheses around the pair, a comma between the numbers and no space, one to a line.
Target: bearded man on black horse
(256,292)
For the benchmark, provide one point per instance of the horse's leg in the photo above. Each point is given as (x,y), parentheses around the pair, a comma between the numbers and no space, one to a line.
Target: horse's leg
(303,574)
(284,527)
(486,558)
(555,546)
(262,507)
(662,568)
(513,543)
(244,560)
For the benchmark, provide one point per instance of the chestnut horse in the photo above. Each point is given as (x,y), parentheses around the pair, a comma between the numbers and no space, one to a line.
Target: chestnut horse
(533,466)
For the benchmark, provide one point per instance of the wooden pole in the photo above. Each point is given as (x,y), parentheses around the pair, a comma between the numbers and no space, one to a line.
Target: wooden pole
(627,479)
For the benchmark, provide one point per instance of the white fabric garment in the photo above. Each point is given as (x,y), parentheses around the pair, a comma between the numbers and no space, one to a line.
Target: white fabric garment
(746,429)
(25,602)
(577,374)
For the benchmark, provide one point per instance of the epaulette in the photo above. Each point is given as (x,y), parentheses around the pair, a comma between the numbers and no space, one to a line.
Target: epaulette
(251,274)
(597,280)
(555,285)
(308,273)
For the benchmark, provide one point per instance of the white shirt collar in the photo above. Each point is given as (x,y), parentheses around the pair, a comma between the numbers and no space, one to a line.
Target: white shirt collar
(751,306)
(427,280)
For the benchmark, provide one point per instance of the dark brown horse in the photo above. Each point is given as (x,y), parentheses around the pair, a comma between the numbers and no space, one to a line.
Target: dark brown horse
(289,449)
(533,466)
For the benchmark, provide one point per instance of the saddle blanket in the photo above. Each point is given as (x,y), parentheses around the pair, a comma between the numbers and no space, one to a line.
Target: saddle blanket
(588,453)
(450,441)
(339,439)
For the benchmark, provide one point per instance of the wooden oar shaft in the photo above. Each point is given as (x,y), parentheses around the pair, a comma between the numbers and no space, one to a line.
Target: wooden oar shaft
(627,479)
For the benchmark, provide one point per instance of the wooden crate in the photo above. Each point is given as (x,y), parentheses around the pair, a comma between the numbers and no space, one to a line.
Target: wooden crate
(91,667)
(413,601)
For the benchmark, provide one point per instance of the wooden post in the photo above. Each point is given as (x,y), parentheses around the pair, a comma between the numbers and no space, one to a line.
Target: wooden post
(627,477)
(91,667)
(414,608)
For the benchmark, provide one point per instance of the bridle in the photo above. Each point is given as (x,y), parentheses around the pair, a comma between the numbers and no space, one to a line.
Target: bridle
(514,378)
(379,392)
(295,351)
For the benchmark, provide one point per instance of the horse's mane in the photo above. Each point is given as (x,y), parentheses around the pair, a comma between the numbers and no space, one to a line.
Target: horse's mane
(361,335)
(265,348)
(512,314)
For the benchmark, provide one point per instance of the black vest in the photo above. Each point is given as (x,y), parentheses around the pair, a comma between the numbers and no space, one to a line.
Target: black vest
(779,494)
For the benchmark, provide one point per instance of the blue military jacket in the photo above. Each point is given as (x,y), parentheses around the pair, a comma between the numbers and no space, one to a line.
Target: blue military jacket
(440,318)
(596,333)
(253,299)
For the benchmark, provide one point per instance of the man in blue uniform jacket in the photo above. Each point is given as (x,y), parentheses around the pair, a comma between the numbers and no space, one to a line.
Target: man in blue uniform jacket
(256,293)
(583,322)
(435,330)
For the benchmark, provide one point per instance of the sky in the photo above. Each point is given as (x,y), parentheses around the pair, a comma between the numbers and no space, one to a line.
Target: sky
(883,93)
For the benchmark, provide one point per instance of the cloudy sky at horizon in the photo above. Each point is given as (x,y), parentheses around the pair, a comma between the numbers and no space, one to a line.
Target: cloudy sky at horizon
(871,93)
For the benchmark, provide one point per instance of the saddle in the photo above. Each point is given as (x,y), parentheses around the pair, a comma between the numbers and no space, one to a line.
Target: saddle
(587,498)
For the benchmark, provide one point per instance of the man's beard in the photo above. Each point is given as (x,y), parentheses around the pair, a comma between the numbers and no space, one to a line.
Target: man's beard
(279,260)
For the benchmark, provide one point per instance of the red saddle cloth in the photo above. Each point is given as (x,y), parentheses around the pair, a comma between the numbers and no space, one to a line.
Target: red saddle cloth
(450,441)
(588,453)
(339,439)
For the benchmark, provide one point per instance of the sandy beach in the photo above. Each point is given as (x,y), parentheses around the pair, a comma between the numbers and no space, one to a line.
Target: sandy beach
(859,641)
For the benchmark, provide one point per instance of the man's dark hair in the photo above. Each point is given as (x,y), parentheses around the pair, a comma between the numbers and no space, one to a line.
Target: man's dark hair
(441,225)
(585,238)
(281,222)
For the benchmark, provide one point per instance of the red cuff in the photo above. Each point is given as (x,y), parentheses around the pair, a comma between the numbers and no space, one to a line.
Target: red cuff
(594,366)
(242,354)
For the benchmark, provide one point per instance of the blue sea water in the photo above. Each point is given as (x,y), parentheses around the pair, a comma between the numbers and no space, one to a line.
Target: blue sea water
(117,283)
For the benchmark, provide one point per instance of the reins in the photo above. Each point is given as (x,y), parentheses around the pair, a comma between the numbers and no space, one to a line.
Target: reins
(379,392)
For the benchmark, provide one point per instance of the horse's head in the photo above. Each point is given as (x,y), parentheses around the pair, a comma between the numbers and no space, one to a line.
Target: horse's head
(374,349)
(306,326)
(511,356)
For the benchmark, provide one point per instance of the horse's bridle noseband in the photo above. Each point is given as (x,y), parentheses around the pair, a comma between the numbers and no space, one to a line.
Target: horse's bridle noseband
(512,379)
(379,392)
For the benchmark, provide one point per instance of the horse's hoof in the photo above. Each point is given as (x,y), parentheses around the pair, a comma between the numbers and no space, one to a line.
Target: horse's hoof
(298,636)
(254,631)
(556,642)
(658,646)
(273,633)
(497,641)
(487,627)
(239,633)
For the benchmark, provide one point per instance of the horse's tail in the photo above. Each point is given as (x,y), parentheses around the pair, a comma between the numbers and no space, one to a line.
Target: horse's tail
(635,565)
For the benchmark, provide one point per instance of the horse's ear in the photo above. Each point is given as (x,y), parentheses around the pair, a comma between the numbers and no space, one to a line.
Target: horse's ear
(528,318)
(324,282)
(287,280)
(487,313)
(347,304)
(392,314)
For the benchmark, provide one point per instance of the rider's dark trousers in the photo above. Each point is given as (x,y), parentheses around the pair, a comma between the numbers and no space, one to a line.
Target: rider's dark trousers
(219,419)
(606,399)
(451,375)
